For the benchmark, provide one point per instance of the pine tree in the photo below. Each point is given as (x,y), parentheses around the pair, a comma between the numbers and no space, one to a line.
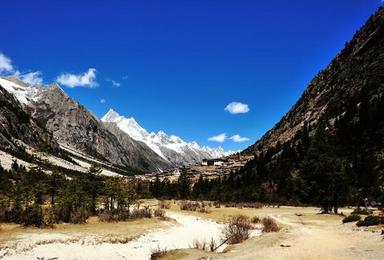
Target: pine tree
(184,184)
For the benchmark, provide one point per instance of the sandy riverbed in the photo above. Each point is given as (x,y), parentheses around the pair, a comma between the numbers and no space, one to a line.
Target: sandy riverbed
(181,234)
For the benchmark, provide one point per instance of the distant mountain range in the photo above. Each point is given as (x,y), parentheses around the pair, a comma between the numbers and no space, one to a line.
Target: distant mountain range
(171,148)
(45,116)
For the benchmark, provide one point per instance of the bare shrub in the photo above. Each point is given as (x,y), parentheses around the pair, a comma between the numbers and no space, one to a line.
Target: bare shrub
(188,205)
(255,220)
(159,213)
(157,253)
(141,213)
(195,206)
(212,245)
(237,229)
(269,225)
(164,204)
(254,205)
(217,204)
(116,239)
(204,210)
(108,216)
(200,245)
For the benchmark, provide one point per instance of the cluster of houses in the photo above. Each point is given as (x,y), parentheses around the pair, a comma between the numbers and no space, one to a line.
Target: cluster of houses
(214,162)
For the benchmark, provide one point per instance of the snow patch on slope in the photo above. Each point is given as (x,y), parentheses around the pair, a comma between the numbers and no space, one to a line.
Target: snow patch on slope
(23,92)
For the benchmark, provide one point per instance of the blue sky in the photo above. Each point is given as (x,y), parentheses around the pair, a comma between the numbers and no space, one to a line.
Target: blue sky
(176,65)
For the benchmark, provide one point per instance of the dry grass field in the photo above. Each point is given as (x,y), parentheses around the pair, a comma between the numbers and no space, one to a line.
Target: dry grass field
(21,238)
(305,234)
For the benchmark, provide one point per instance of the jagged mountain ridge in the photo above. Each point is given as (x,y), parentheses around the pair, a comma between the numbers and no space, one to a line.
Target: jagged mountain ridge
(147,155)
(171,148)
(359,64)
(71,124)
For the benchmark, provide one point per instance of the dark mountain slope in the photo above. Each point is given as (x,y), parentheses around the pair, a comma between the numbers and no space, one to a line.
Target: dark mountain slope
(73,125)
(18,128)
(329,148)
(360,65)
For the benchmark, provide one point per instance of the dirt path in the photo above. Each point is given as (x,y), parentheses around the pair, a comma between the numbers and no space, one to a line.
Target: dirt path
(320,240)
(310,236)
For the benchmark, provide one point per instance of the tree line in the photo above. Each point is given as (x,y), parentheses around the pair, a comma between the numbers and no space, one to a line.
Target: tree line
(35,197)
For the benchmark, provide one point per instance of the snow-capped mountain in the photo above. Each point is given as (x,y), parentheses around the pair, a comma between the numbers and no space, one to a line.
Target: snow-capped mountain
(172,148)
(23,92)
(59,117)
(116,139)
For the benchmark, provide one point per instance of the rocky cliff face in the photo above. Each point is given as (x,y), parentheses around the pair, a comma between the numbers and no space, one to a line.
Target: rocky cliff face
(358,67)
(72,124)
(44,117)
(16,124)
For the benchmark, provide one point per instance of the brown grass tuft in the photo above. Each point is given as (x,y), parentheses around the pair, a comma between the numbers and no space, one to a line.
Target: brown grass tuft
(269,225)
(237,229)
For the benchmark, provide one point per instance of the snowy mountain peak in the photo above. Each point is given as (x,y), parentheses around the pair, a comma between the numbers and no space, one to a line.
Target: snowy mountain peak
(162,134)
(110,116)
(176,139)
(171,148)
(194,145)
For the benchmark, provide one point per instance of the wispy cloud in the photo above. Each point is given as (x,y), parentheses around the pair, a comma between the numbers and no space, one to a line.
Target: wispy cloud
(102,101)
(113,82)
(33,78)
(86,79)
(5,64)
(237,108)
(239,139)
(116,84)
(218,138)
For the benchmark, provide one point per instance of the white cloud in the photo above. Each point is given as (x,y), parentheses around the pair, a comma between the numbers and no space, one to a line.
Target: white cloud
(5,64)
(115,83)
(237,108)
(102,101)
(218,138)
(33,78)
(239,139)
(86,79)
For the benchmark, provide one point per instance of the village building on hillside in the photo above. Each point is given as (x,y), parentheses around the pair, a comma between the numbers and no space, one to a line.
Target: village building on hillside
(214,162)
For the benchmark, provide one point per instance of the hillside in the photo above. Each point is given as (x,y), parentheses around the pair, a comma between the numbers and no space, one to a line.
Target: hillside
(357,68)
(328,149)
(46,119)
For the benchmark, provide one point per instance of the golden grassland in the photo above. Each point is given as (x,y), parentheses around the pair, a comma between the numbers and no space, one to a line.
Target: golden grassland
(110,232)
(305,234)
